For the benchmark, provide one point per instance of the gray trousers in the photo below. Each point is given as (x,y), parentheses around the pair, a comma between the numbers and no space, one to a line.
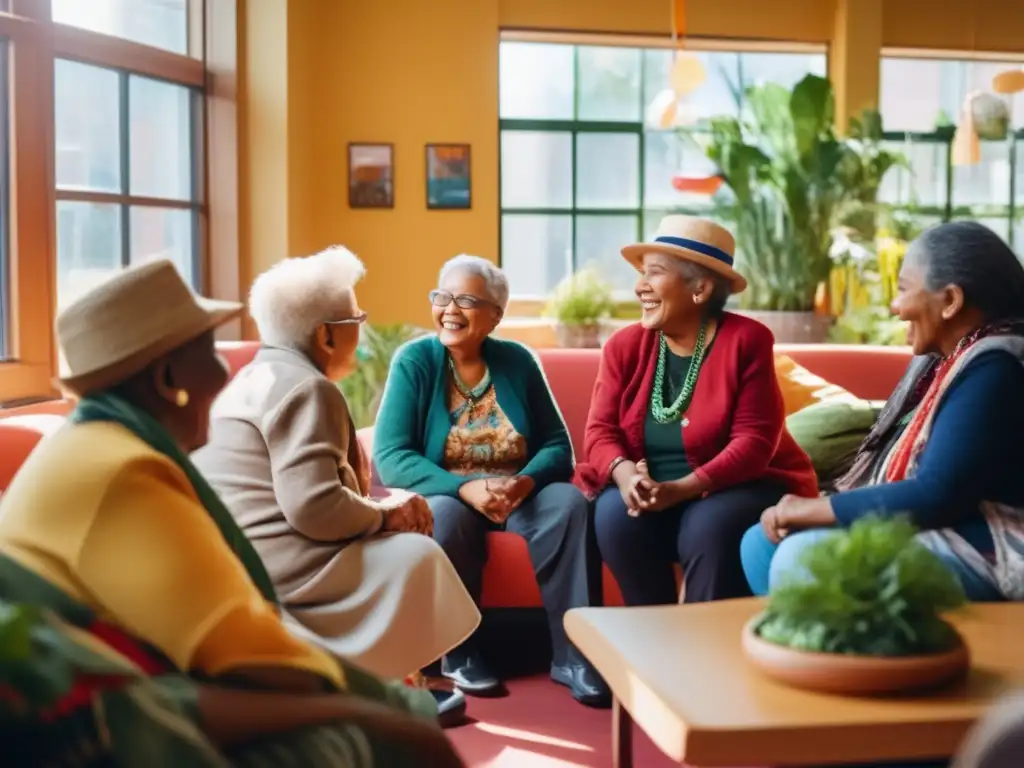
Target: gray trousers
(554,523)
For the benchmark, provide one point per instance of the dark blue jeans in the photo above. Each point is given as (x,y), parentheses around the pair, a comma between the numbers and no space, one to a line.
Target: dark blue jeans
(703,535)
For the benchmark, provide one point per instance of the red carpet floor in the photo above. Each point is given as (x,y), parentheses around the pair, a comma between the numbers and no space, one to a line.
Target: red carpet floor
(538,725)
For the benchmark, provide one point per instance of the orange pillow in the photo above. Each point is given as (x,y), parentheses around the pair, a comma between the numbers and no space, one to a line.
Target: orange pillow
(801,388)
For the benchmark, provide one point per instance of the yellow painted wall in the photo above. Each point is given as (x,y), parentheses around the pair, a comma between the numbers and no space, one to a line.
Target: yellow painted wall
(982,25)
(322,73)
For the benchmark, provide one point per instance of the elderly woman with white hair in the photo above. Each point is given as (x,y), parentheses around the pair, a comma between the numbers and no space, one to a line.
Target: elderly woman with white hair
(468,421)
(284,457)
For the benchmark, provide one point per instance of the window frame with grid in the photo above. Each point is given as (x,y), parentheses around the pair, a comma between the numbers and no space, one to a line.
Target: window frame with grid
(28,360)
(124,199)
(947,207)
(645,214)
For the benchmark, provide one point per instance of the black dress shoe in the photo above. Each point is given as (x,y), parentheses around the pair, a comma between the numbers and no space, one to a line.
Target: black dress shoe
(585,685)
(451,707)
(471,675)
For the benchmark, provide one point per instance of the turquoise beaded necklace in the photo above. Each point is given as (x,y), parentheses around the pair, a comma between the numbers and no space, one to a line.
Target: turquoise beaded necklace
(666,414)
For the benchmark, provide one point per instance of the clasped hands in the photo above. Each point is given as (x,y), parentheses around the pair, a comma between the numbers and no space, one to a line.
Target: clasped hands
(496,497)
(644,494)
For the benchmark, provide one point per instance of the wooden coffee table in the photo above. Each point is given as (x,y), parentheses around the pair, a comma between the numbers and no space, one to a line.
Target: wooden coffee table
(679,673)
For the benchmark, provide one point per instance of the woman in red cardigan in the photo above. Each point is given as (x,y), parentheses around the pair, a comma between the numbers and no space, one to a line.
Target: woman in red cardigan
(685,443)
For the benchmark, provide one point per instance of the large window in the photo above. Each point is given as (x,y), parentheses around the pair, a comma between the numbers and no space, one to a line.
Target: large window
(581,173)
(921,101)
(126,174)
(158,23)
(101,105)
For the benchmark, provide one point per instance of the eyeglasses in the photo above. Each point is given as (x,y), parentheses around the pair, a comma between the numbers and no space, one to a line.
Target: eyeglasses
(356,320)
(462,301)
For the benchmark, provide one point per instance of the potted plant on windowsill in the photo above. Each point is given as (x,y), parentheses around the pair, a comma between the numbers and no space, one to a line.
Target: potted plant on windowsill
(789,181)
(865,618)
(580,305)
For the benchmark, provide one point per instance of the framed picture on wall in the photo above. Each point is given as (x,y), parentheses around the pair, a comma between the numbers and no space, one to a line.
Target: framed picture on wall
(449,185)
(371,176)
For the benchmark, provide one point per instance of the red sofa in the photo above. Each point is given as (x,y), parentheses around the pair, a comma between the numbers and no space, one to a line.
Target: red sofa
(868,372)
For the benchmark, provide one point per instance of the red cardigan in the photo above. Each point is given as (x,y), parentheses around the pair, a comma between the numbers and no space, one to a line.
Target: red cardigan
(736,432)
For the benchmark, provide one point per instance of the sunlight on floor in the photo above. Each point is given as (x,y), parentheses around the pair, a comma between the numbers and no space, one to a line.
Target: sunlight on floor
(536,738)
(510,757)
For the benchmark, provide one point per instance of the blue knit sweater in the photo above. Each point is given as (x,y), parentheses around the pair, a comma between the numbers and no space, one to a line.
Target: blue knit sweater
(413,421)
(973,453)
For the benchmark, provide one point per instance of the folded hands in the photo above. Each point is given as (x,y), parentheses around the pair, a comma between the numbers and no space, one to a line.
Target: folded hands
(496,497)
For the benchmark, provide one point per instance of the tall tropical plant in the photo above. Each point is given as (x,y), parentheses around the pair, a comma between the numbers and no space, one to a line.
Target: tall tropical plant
(788,180)
(874,161)
(365,386)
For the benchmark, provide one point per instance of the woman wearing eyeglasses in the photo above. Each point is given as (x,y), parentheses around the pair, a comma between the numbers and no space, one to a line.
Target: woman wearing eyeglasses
(283,456)
(468,422)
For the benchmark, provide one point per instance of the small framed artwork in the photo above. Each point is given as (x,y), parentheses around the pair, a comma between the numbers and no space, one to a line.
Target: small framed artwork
(371,176)
(448,177)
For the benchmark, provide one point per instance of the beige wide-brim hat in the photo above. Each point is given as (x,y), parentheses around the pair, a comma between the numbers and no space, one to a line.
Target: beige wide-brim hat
(695,239)
(122,325)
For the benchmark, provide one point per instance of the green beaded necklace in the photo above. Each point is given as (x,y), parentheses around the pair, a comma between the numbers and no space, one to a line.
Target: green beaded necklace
(666,414)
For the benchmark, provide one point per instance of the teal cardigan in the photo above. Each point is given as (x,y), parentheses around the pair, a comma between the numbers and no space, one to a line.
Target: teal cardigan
(413,421)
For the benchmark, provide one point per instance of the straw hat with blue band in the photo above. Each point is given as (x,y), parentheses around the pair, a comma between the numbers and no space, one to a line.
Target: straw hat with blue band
(701,241)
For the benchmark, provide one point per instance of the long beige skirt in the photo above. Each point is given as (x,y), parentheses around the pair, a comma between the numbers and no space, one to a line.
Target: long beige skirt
(391,604)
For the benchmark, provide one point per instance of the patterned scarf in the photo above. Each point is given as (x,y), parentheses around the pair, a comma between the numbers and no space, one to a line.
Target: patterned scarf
(928,393)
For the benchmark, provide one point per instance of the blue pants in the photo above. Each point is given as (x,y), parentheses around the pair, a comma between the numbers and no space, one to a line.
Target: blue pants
(765,563)
(702,535)
(554,523)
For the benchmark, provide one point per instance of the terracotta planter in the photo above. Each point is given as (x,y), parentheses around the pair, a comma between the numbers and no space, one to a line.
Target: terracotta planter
(853,675)
(588,336)
(793,327)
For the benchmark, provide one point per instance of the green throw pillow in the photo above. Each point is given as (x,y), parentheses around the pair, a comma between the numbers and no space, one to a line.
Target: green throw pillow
(831,431)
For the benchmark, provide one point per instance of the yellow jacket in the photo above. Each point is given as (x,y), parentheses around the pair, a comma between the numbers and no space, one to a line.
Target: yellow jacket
(117,526)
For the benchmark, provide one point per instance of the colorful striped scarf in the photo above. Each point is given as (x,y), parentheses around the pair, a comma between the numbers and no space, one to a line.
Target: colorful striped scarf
(890,456)
(929,392)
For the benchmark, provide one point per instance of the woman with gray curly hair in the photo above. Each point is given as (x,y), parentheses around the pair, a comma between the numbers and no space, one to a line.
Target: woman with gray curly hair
(468,421)
(284,457)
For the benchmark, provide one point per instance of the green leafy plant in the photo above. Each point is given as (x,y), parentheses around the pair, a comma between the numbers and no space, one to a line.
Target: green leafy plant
(864,176)
(364,388)
(873,324)
(871,590)
(789,180)
(583,298)
(38,663)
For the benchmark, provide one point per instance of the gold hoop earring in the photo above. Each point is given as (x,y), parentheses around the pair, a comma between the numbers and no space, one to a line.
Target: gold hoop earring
(181,398)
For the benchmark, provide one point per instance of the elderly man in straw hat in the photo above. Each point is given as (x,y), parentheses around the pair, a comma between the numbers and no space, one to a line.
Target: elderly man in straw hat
(356,574)
(110,525)
(685,441)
